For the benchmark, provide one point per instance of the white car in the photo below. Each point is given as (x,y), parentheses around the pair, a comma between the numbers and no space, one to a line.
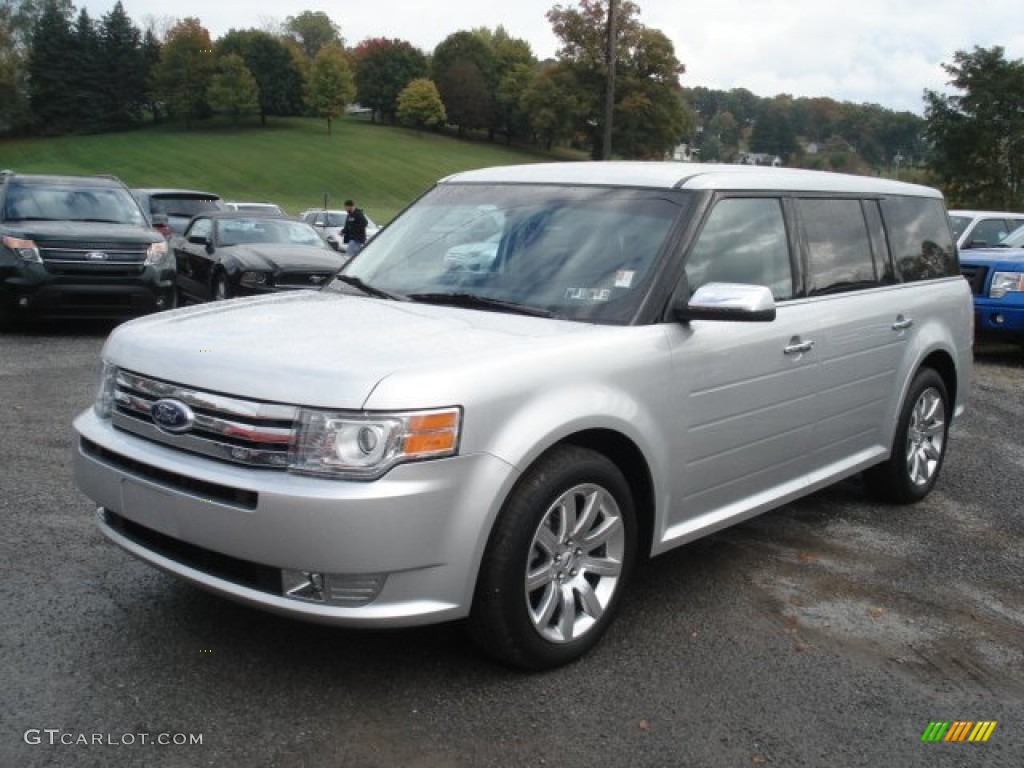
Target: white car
(983,229)
(330,223)
(654,352)
(248,207)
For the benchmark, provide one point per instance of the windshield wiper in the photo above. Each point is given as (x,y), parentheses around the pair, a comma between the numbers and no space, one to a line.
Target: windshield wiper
(368,289)
(472,301)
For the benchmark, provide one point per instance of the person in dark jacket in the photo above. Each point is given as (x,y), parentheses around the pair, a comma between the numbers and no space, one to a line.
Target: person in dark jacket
(354,231)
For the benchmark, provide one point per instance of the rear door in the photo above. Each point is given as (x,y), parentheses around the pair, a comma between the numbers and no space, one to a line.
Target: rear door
(863,328)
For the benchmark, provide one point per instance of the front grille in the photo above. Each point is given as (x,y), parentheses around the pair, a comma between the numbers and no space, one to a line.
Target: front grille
(975,276)
(242,572)
(102,259)
(248,432)
(302,279)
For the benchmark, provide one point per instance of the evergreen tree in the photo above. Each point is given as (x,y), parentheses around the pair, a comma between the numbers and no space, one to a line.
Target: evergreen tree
(50,71)
(122,78)
(86,75)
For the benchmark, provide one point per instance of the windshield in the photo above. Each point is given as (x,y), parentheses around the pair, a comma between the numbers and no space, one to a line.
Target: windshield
(580,253)
(64,202)
(235,231)
(1015,239)
(183,205)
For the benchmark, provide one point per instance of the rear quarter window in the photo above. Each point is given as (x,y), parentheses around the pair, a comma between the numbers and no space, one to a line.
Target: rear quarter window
(839,247)
(920,238)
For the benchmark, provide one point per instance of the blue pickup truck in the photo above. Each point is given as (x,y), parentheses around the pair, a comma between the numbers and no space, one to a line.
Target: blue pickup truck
(996,276)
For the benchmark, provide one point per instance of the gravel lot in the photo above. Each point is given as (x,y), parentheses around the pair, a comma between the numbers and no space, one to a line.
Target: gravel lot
(827,633)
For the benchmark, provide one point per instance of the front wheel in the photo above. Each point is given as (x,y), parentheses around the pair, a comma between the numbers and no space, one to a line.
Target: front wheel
(557,561)
(919,445)
(221,289)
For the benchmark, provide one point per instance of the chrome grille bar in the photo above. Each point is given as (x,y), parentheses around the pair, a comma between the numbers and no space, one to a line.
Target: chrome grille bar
(227,428)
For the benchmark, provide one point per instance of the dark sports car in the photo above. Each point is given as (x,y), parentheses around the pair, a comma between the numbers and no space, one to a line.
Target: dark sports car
(225,254)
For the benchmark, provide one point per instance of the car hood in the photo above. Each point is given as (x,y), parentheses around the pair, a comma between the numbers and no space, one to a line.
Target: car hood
(1013,257)
(83,231)
(273,257)
(324,349)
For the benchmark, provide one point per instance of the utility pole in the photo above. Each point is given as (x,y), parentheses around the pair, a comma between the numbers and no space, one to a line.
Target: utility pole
(609,96)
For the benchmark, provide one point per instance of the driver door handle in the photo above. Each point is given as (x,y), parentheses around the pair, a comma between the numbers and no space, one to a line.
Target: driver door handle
(797,347)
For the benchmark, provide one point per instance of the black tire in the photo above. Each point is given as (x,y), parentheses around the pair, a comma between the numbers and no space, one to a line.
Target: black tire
(918,446)
(574,579)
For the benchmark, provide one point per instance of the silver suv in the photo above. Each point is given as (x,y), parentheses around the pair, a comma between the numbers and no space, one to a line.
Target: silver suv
(651,352)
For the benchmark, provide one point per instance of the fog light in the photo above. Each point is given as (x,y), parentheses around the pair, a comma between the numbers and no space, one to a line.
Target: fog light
(23,301)
(347,589)
(998,319)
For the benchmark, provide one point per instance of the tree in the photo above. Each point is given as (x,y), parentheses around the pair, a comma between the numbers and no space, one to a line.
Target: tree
(550,103)
(773,134)
(420,106)
(463,69)
(978,132)
(233,89)
(50,71)
(186,66)
(278,77)
(121,81)
(647,77)
(330,86)
(86,74)
(383,69)
(313,30)
(514,66)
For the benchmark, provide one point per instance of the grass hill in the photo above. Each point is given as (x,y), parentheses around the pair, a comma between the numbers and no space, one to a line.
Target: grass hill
(292,161)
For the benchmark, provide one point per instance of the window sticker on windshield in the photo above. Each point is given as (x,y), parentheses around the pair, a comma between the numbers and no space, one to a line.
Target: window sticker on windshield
(588,294)
(624,278)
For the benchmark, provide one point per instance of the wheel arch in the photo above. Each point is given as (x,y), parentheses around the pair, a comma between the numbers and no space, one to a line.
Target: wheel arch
(630,460)
(942,363)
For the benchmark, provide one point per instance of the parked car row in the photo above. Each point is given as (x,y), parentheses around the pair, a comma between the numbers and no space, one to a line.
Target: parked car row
(88,246)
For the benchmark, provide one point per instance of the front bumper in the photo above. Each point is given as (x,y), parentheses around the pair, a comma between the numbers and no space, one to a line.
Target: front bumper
(997,318)
(32,291)
(422,526)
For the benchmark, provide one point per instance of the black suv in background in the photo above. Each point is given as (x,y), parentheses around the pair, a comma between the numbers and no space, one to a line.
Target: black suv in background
(170,210)
(78,246)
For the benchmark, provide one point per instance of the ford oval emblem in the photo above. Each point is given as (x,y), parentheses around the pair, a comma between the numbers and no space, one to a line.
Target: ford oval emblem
(172,416)
(97,256)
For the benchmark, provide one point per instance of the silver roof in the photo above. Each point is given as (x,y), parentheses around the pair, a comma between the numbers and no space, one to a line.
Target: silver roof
(675,175)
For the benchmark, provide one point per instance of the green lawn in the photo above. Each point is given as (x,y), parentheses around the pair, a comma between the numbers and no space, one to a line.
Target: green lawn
(292,162)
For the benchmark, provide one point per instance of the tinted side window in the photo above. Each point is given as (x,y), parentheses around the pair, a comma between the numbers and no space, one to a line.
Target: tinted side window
(839,251)
(919,238)
(743,241)
(988,232)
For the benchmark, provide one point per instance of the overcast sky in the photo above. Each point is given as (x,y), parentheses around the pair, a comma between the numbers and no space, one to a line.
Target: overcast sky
(880,51)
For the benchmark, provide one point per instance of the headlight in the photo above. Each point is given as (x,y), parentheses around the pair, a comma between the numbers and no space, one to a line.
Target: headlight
(254,278)
(156,253)
(104,404)
(363,446)
(26,249)
(1005,282)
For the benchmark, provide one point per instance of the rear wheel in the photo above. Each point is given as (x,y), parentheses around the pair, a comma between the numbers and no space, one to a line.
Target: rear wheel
(557,561)
(919,445)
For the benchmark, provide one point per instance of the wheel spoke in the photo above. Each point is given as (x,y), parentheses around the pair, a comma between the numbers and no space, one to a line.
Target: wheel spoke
(601,534)
(546,608)
(567,608)
(601,566)
(540,577)
(591,604)
(591,506)
(546,540)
